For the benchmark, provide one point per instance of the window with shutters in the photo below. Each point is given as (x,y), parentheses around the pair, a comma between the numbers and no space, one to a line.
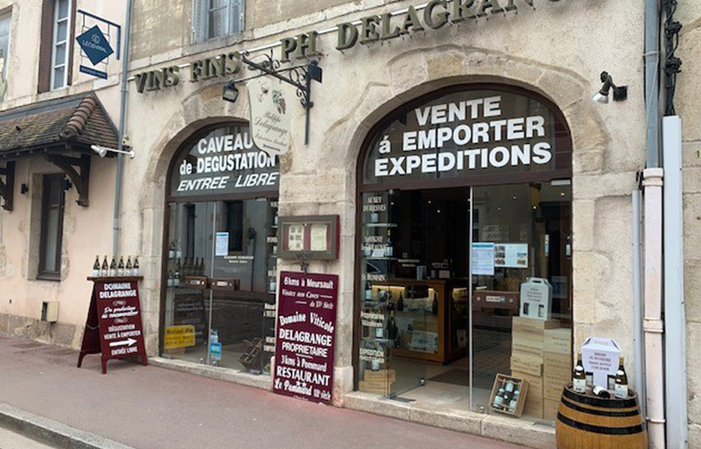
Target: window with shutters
(4,50)
(217,18)
(56,49)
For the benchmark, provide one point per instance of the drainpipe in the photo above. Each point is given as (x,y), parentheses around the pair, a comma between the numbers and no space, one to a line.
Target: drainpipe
(122,127)
(653,176)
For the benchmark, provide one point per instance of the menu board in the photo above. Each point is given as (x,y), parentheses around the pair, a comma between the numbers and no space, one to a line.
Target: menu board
(306,324)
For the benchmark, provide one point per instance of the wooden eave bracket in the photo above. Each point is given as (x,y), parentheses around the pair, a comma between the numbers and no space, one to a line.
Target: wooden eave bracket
(7,186)
(81,180)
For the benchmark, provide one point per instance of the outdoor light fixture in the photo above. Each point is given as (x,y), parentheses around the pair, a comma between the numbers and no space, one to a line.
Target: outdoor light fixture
(230,92)
(102,151)
(620,93)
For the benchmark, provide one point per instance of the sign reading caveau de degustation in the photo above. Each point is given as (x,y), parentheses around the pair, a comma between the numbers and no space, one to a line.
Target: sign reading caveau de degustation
(304,349)
(433,15)
(470,133)
(224,161)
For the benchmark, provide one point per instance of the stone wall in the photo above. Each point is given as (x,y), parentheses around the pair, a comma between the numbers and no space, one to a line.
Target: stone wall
(687,99)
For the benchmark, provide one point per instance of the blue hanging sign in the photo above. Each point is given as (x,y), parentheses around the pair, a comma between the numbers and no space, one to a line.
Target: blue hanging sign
(97,48)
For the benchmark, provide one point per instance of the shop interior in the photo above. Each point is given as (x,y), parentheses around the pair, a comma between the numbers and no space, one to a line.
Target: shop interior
(438,319)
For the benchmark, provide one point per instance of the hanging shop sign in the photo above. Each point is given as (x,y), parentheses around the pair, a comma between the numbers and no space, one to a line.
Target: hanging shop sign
(306,325)
(468,134)
(225,161)
(433,15)
(270,117)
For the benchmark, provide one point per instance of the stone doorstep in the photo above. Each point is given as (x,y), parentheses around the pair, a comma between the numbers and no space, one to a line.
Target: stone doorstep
(52,432)
(495,427)
(228,375)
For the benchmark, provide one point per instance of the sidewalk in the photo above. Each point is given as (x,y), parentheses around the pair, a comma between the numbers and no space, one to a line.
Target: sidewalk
(156,408)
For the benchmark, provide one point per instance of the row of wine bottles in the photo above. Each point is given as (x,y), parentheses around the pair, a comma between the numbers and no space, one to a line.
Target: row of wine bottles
(116,269)
(618,383)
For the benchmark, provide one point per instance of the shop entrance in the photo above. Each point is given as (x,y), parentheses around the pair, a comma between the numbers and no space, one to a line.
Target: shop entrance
(465,261)
(220,257)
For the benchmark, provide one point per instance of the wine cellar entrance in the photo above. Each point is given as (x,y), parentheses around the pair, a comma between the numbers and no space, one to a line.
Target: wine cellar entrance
(220,261)
(465,290)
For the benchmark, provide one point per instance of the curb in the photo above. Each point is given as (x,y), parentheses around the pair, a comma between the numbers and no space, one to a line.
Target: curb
(53,432)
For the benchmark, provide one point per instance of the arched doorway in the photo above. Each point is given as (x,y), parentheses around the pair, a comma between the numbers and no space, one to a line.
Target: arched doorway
(219,259)
(464,250)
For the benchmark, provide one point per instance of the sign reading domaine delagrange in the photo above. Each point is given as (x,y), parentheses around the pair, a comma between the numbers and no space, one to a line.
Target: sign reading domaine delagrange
(433,15)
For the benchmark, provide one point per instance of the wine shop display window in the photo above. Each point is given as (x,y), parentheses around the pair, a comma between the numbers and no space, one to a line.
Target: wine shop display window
(464,290)
(219,271)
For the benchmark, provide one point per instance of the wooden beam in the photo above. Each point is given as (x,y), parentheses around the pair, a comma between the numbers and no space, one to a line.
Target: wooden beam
(7,187)
(79,180)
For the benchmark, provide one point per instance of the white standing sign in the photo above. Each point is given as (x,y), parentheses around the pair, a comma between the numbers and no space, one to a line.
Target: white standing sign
(600,357)
(270,115)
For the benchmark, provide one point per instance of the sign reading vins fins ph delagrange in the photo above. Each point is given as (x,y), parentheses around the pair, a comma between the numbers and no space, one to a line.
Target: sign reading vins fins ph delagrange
(113,326)
(306,324)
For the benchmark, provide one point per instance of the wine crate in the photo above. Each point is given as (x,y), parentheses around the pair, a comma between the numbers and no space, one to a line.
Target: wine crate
(534,401)
(383,388)
(550,407)
(552,387)
(532,326)
(556,360)
(523,387)
(527,363)
(383,375)
(558,340)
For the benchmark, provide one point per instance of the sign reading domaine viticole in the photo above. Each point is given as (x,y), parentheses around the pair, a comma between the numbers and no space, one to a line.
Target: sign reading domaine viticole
(434,15)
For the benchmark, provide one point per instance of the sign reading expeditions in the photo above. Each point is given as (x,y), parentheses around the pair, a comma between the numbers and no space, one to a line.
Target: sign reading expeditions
(304,349)
(270,115)
(225,161)
(468,134)
(113,327)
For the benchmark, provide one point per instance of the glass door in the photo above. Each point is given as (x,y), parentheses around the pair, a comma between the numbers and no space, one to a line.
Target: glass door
(520,313)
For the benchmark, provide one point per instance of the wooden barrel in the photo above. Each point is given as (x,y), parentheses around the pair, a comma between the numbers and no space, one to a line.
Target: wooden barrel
(586,421)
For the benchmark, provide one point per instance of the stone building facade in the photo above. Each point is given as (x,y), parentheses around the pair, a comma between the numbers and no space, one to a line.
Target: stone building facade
(550,50)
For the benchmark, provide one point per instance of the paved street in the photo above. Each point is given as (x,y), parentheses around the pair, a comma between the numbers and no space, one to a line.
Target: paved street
(13,440)
(156,408)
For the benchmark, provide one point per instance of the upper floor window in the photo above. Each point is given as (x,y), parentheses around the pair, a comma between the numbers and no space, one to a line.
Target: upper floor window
(5,20)
(61,44)
(217,18)
(56,51)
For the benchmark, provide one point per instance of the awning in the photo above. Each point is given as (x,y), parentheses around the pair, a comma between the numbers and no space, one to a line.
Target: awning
(60,131)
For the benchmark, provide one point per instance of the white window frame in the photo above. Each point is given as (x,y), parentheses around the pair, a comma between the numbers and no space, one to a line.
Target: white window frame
(55,44)
(5,70)
(201,21)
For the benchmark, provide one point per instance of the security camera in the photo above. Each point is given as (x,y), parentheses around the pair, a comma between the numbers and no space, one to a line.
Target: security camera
(102,151)
(620,93)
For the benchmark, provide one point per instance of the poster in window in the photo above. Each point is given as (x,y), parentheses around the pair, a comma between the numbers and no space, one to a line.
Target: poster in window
(483,258)
(295,237)
(319,237)
(511,255)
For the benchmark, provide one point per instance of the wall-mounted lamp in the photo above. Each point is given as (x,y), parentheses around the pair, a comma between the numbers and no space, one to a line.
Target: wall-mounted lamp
(67,184)
(620,93)
(102,151)
(24,189)
(230,92)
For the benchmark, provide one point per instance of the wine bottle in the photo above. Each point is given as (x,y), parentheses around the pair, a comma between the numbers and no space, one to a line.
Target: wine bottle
(579,378)
(176,278)
(178,251)
(137,272)
(171,251)
(105,269)
(113,267)
(170,281)
(96,267)
(120,267)
(621,387)
(601,392)
(368,291)
(400,303)
(129,269)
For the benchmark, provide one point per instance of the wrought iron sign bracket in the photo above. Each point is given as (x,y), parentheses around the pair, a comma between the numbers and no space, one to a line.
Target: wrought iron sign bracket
(299,76)
(7,187)
(79,180)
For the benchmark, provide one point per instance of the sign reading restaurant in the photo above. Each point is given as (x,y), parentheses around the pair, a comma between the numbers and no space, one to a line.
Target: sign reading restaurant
(432,16)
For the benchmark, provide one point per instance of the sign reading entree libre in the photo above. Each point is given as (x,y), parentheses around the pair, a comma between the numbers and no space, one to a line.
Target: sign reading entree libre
(304,349)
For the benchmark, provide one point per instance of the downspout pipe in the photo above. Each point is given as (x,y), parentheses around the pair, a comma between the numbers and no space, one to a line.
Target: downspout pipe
(653,177)
(122,130)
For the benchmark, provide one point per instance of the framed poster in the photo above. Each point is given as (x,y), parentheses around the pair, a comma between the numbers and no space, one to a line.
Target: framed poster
(309,237)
